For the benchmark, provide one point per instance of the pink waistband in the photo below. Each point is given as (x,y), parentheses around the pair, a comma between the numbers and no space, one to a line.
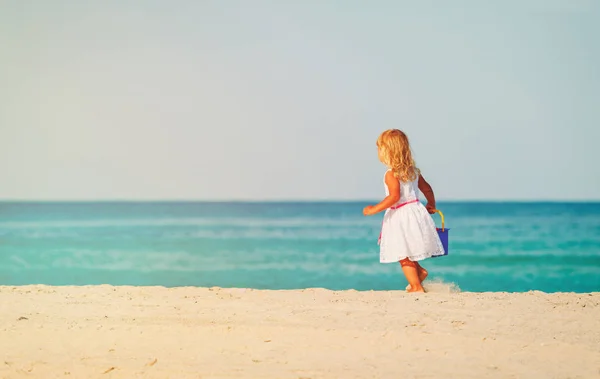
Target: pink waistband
(403,204)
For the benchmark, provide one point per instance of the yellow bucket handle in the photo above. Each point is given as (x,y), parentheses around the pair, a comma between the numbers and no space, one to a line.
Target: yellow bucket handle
(442,216)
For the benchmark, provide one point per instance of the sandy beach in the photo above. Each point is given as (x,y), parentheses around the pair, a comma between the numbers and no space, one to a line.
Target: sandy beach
(155,332)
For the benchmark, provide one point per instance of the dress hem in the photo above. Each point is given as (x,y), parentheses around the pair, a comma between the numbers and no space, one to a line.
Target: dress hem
(414,259)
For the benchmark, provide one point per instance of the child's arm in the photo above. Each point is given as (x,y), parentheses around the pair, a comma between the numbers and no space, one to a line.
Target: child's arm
(394,188)
(428,192)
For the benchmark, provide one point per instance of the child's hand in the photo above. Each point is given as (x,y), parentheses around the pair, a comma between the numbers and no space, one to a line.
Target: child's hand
(368,211)
(430,208)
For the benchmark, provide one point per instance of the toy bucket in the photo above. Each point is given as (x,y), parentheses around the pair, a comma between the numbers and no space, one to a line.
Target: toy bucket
(443,233)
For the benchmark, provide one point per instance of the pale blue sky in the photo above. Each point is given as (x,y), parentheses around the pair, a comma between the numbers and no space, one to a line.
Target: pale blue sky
(285,99)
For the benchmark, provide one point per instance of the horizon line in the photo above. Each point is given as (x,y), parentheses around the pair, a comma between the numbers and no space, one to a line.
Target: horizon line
(249,201)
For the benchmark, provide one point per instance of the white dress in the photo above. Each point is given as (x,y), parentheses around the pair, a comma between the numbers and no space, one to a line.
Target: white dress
(408,231)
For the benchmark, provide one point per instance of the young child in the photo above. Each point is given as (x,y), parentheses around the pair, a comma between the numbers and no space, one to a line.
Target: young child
(408,233)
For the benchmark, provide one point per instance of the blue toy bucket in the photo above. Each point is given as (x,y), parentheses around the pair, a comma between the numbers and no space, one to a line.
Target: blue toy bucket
(443,233)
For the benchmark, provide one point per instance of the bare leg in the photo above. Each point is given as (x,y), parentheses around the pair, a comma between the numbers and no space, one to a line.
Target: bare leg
(421,272)
(410,271)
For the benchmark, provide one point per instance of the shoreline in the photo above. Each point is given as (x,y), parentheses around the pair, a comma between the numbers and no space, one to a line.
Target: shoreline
(190,332)
(433,287)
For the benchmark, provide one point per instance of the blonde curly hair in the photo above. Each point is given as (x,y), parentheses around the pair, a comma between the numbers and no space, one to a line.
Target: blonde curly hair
(394,152)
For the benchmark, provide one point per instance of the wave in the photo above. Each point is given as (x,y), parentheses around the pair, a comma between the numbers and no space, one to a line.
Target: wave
(212,222)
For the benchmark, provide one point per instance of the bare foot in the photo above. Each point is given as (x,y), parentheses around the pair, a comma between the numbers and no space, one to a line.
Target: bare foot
(418,289)
(422,276)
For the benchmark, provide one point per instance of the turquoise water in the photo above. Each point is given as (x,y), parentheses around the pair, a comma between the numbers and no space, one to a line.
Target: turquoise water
(493,246)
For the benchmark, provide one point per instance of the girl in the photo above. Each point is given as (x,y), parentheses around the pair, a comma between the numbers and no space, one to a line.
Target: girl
(408,233)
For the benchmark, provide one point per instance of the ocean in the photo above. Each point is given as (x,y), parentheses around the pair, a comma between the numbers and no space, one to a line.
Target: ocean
(514,247)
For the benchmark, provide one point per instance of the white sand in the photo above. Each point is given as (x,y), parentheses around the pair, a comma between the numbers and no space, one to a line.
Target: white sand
(154,332)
